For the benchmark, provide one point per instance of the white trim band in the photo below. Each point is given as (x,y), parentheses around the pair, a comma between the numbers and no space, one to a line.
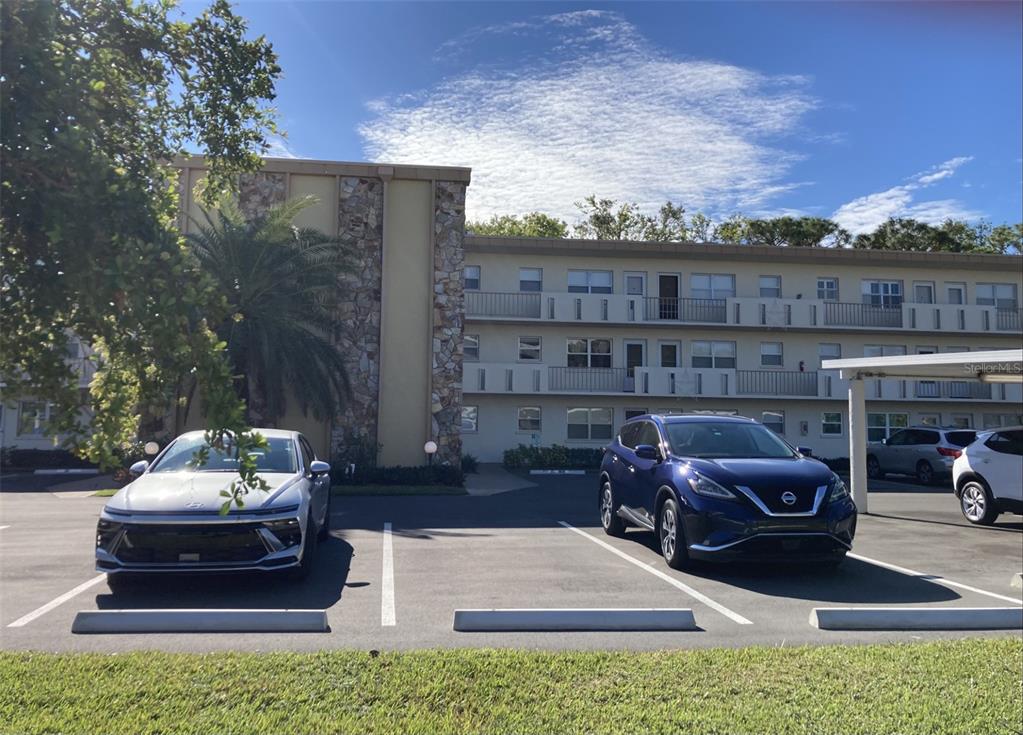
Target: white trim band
(575,619)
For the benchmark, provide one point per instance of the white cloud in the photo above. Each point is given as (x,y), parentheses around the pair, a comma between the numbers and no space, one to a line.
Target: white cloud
(597,111)
(279,147)
(865,213)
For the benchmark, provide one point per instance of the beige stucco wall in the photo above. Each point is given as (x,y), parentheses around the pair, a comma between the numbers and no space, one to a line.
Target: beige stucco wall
(407,292)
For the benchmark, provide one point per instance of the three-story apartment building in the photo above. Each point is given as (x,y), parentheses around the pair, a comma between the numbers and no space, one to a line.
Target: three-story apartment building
(565,339)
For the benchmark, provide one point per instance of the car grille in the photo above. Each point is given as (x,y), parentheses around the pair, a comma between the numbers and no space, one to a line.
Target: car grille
(772,499)
(177,544)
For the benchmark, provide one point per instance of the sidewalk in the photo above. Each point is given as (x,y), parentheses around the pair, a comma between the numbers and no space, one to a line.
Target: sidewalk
(493,479)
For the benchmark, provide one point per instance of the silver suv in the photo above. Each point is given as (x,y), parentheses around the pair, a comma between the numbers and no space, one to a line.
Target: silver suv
(924,451)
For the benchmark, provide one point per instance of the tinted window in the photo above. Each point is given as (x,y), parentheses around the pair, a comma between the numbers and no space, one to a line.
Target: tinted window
(307,451)
(961,438)
(714,440)
(648,434)
(629,434)
(925,437)
(898,439)
(277,456)
(1006,442)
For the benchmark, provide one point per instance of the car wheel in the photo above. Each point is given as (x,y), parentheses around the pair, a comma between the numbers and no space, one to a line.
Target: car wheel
(325,528)
(671,536)
(924,472)
(309,544)
(609,518)
(977,504)
(874,469)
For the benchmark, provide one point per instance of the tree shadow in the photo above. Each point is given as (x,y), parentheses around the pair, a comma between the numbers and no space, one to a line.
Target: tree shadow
(242,590)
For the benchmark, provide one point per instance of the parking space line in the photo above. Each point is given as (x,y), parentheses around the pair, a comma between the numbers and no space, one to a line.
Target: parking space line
(935,578)
(696,595)
(387,616)
(3,527)
(56,602)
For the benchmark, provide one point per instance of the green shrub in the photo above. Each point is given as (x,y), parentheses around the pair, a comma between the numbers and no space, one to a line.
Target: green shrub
(437,474)
(36,459)
(469,464)
(555,457)
(836,464)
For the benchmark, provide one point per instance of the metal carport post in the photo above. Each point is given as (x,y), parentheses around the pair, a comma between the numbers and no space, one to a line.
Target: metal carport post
(991,366)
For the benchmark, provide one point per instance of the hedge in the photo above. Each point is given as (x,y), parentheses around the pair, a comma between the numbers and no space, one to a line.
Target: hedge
(556,457)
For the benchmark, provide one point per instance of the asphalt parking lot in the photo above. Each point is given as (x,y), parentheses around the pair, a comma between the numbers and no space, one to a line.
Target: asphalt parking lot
(396,569)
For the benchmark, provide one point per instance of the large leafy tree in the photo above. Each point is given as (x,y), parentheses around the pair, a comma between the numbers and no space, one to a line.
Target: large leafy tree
(798,232)
(954,236)
(608,219)
(98,97)
(281,283)
(534,224)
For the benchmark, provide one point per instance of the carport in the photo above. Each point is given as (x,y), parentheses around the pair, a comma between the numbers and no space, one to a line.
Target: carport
(993,366)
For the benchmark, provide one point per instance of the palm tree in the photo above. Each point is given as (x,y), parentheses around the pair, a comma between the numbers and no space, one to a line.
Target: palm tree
(281,284)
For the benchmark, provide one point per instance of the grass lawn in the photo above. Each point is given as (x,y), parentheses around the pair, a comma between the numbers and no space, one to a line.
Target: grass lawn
(109,492)
(936,687)
(397,490)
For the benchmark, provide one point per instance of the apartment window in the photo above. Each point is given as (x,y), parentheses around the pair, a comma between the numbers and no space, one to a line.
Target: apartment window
(631,413)
(774,420)
(529,418)
(669,354)
(930,419)
(827,289)
(829,351)
(32,417)
(831,424)
(923,293)
(1002,295)
(883,350)
(713,354)
(469,416)
(589,353)
(882,425)
(589,282)
(471,276)
(770,287)
(962,420)
(590,423)
(997,420)
(712,286)
(471,347)
(635,284)
(771,354)
(956,293)
(882,293)
(530,279)
(529,349)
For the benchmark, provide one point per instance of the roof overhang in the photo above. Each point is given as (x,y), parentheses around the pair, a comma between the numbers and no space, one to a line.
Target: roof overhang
(991,366)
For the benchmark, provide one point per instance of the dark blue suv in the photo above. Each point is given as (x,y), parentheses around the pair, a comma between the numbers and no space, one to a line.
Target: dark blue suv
(722,488)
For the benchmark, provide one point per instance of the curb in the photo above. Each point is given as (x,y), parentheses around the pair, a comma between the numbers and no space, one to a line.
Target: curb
(580,619)
(913,618)
(200,621)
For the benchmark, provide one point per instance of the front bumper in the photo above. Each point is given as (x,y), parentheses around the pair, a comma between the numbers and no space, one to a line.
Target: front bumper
(736,533)
(157,543)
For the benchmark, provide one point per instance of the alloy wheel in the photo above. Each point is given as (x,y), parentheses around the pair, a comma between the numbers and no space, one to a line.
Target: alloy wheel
(925,473)
(669,532)
(974,502)
(606,505)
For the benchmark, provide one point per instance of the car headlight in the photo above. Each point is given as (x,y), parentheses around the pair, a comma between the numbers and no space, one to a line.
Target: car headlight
(106,532)
(287,531)
(705,486)
(839,490)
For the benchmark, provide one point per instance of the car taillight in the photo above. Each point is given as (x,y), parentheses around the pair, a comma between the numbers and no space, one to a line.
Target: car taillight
(946,452)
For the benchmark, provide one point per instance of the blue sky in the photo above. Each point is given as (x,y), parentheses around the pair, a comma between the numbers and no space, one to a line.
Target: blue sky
(851,111)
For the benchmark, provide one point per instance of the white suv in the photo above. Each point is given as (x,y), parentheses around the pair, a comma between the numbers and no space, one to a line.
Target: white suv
(987,476)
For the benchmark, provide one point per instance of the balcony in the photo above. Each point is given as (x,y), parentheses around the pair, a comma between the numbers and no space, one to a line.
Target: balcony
(963,390)
(775,383)
(590,380)
(861,315)
(1008,320)
(713,311)
(506,305)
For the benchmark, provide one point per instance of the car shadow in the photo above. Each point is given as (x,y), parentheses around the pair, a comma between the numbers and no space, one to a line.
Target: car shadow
(999,525)
(854,581)
(242,590)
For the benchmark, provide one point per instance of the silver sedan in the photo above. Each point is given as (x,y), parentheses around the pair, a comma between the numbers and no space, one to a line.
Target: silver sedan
(168,519)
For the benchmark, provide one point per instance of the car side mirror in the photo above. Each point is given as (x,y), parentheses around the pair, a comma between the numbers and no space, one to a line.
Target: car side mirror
(648,451)
(805,451)
(319,467)
(139,467)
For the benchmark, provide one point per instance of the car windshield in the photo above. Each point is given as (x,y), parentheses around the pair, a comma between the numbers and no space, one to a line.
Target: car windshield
(277,456)
(726,440)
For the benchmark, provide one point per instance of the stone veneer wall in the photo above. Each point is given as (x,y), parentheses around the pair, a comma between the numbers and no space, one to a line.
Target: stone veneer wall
(448,320)
(257,192)
(361,230)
